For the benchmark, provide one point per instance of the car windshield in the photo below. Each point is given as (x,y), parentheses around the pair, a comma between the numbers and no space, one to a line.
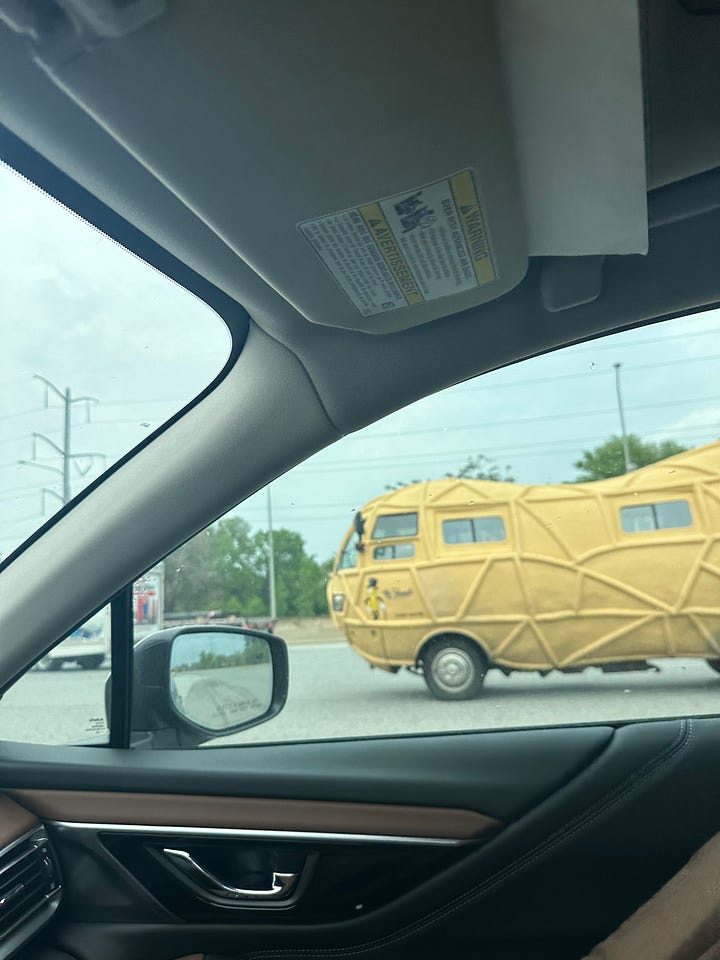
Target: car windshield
(98,350)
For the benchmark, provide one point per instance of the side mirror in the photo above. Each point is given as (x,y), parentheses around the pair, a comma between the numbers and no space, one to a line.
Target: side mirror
(194,683)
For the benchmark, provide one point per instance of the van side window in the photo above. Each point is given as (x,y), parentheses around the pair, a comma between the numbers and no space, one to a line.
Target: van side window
(395,525)
(474,530)
(394,551)
(656,516)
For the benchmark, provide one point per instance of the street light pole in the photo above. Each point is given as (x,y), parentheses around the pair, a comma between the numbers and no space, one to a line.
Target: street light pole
(621,411)
(271,557)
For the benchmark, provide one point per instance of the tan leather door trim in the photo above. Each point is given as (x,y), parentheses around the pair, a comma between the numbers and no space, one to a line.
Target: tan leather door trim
(14,821)
(165,810)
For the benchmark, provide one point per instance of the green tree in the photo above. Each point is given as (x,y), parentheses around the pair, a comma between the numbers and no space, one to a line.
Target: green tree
(215,570)
(299,578)
(192,577)
(226,568)
(241,576)
(608,460)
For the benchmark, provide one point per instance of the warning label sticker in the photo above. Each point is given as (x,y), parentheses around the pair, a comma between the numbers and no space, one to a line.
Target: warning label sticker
(417,246)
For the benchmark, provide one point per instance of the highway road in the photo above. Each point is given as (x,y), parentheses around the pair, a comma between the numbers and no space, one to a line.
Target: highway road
(333,693)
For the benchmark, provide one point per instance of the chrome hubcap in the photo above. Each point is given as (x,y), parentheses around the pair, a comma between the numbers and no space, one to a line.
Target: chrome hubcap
(453,669)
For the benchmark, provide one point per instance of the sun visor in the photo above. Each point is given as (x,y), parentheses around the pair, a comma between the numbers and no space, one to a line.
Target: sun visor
(383,164)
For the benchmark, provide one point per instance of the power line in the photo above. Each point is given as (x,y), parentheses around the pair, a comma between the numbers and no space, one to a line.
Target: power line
(513,452)
(22,413)
(584,375)
(64,452)
(515,420)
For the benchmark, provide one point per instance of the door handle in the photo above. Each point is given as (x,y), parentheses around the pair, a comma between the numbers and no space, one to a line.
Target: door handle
(281,888)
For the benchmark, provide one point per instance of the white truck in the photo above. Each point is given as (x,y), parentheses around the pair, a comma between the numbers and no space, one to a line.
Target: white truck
(89,645)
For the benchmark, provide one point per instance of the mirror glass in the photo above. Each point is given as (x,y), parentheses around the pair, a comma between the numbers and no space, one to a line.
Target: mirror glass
(220,680)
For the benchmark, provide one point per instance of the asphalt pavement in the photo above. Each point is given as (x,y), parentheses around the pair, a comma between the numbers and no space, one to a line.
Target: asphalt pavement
(333,693)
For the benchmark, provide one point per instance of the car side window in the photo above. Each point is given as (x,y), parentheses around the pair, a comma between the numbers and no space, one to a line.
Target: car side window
(505,541)
(656,516)
(521,586)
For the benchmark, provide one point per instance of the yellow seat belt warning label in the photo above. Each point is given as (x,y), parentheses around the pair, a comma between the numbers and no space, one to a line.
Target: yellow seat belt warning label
(417,246)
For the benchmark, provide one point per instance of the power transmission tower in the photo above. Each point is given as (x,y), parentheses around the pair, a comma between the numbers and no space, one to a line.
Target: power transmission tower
(69,459)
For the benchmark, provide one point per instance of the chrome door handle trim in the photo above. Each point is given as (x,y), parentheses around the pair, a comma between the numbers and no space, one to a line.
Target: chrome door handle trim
(266,834)
(282,883)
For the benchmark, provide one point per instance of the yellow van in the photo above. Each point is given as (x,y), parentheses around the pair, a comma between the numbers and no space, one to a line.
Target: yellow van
(453,577)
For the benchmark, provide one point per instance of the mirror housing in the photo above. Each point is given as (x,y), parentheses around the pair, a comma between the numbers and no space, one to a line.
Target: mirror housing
(158,720)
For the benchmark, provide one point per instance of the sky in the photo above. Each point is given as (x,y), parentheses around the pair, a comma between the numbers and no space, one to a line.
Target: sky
(82,312)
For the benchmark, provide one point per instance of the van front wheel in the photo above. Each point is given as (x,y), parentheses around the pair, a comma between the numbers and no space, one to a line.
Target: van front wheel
(454,669)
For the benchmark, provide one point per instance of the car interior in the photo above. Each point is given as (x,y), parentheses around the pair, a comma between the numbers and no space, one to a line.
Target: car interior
(251,152)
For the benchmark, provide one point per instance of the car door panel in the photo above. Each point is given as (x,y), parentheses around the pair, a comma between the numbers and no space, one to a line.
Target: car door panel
(564,863)
(258,815)
(494,773)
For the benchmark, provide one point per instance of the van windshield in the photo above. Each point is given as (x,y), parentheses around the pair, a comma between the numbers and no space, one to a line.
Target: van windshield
(348,555)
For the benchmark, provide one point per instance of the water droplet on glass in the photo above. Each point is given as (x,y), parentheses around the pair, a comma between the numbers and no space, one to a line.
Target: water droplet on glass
(593,365)
(144,424)
(471,502)
(627,691)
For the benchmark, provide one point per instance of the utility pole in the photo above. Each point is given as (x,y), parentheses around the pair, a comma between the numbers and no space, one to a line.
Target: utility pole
(621,411)
(68,458)
(271,557)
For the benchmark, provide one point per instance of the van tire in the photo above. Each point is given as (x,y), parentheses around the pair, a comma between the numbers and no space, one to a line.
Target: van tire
(454,668)
(714,664)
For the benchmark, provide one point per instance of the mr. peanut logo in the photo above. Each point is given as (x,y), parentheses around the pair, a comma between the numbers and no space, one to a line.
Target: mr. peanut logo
(373,600)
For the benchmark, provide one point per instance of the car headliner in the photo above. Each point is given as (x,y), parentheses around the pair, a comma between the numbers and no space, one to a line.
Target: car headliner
(294,386)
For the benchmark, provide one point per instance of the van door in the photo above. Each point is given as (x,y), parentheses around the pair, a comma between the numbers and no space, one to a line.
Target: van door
(355,603)
(393,593)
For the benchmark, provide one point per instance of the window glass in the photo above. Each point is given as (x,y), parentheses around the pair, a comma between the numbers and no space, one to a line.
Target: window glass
(675,513)
(637,519)
(97,350)
(394,551)
(458,531)
(656,516)
(398,525)
(474,530)
(91,330)
(62,699)
(549,428)
(348,558)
